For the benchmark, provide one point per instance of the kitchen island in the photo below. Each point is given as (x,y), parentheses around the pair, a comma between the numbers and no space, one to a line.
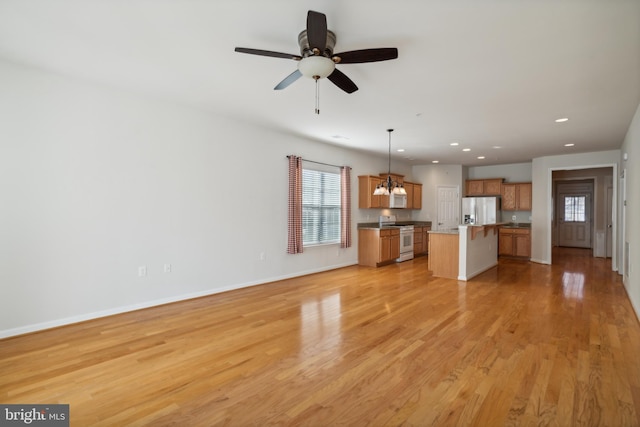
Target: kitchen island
(463,253)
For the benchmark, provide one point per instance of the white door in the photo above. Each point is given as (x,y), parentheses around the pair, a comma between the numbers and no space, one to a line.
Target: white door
(448,207)
(574,220)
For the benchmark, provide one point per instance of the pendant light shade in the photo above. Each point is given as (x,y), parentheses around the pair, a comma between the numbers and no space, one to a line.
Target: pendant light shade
(389,186)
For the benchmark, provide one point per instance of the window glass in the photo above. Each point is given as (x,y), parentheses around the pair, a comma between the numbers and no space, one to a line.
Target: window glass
(320,207)
(574,208)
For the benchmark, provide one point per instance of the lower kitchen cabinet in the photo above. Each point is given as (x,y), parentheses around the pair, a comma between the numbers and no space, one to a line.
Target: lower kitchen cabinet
(514,242)
(421,240)
(378,246)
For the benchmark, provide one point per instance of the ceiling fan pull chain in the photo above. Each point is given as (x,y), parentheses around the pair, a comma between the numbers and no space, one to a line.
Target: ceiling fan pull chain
(317,95)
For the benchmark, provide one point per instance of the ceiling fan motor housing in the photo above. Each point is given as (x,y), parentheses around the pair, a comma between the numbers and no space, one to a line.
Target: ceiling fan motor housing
(306,50)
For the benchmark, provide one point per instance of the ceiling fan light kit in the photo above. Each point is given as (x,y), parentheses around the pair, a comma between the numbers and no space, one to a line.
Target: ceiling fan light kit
(317,60)
(316,67)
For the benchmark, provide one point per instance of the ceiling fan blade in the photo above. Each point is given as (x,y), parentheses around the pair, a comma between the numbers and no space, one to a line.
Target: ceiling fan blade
(288,80)
(268,53)
(339,79)
(366,55)
(317,30)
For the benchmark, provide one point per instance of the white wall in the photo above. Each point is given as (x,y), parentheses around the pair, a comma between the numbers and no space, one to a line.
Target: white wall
(96,182)
(542,196)
(631,147)
(513,172)
(432,176)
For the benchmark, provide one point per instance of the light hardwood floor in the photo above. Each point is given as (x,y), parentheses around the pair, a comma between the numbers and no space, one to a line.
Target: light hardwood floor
(522,344)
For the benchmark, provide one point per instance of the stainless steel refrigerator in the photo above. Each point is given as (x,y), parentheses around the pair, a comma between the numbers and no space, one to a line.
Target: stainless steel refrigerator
(480,210)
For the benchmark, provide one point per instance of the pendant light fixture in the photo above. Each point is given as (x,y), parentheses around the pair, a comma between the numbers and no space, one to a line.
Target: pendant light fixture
(389,186)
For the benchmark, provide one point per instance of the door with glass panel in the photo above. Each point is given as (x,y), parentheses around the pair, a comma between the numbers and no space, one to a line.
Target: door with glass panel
(574,220)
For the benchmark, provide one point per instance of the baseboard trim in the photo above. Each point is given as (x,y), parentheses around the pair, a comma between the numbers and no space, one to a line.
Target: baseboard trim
(37,327)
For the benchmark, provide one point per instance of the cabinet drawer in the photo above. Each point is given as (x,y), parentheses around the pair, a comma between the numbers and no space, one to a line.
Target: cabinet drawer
(386,232)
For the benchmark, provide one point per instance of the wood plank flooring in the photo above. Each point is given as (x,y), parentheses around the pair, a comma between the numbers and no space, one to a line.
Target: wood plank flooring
(522,344)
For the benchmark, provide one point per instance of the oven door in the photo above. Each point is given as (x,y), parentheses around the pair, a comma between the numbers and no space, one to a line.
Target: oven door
(406,241)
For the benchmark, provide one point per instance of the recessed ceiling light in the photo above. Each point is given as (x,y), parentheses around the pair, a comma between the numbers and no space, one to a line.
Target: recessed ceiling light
(454,144)
(339,137)
(569,145)
(496,147)
(564,119)
(400,150)
(466,149)
(435,161)
(480,157)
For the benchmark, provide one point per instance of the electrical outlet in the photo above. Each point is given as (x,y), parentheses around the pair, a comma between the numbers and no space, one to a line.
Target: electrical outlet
(142,271)
(514,218)
(262,256)
(167,268)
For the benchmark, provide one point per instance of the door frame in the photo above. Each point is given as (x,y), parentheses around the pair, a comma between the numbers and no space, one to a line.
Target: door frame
(614,208)
(593,215)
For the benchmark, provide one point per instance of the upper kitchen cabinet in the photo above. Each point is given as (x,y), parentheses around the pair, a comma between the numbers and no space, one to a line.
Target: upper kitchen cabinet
(414,195)
(483,187)
(516,196)
(368,183)
(366,186)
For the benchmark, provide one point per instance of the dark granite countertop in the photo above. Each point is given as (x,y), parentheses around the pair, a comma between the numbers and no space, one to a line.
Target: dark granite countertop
(377,225)
(516,225)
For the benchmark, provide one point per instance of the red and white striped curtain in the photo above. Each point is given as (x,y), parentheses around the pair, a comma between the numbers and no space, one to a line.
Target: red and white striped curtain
(294,226)
(345,207)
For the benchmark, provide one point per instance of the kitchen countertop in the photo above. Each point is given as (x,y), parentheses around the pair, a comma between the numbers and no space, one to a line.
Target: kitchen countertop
(516,225)
(376,225)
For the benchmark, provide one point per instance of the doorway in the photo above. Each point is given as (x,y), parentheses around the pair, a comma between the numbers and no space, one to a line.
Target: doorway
(574,213)
(587,198)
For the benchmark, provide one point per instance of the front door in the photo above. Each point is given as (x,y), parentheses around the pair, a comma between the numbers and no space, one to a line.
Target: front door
(448,207)
(574,220)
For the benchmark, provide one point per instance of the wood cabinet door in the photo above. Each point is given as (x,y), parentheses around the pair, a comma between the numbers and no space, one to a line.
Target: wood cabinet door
(395,246)
(522,243)
(417,196)
(492,187)
(366,187)
(524,196)
(505,243)
(509,201)
(385,249)
(409,187)
(475,187)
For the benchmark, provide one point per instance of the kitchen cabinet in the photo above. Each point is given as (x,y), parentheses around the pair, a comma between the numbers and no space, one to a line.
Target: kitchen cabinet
(378,246)
(421,240)
(414,195)
(483,187)
(368,183)
(514,242)
(516,196)
(366,186)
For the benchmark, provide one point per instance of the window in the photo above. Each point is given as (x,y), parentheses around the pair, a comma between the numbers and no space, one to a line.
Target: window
(320,207)
(574,208)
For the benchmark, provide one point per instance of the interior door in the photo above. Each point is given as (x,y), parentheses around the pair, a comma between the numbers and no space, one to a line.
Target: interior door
(574,220)
(448,207)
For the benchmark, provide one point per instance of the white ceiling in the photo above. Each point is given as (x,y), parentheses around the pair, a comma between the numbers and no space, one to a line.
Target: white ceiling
(482,73)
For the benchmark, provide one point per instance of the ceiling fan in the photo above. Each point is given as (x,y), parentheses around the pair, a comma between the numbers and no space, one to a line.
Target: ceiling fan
(317,60)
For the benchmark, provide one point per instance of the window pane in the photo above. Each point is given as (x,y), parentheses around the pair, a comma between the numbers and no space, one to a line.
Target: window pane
(320,207)
(574,208)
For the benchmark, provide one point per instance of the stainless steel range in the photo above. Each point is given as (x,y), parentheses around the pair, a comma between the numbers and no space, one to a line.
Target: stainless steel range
(406,236)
